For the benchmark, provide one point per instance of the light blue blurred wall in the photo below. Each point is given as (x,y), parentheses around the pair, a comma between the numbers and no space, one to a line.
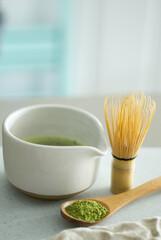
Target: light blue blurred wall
(33,56)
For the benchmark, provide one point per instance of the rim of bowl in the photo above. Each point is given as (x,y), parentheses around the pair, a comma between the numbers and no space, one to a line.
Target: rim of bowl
(62,106)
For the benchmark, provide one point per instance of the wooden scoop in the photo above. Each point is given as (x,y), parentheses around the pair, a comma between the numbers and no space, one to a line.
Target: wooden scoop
(115,202)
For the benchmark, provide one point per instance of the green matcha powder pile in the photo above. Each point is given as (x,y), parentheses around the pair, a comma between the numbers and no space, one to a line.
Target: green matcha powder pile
(87,210)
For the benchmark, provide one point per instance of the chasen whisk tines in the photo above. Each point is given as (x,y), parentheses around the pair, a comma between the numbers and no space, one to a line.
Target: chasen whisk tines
(127,119)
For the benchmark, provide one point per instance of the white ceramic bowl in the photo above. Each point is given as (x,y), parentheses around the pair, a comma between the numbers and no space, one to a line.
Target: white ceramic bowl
(52,171)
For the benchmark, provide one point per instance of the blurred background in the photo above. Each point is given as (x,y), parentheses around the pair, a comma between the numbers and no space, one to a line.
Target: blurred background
(79,47)
(76,52)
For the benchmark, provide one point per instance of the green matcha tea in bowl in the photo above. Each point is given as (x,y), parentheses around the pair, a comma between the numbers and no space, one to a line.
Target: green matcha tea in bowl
(52,151)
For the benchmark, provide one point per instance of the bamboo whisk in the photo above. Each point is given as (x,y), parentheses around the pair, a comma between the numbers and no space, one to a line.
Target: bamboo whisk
(127,119)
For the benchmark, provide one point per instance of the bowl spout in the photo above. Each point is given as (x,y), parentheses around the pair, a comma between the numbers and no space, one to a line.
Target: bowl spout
(101,147)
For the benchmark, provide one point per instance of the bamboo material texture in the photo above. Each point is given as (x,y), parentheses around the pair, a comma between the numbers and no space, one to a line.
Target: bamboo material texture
(115,202)
(128,120)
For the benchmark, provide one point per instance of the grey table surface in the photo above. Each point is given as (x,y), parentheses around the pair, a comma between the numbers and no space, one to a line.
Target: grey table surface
(25,218)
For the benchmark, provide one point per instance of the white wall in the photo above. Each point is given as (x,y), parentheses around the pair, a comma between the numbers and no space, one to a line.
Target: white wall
(29,12)
(112,45)
(117,46)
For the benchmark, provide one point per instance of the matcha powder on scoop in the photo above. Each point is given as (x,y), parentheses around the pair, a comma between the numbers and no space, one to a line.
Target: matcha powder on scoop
(87,210)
